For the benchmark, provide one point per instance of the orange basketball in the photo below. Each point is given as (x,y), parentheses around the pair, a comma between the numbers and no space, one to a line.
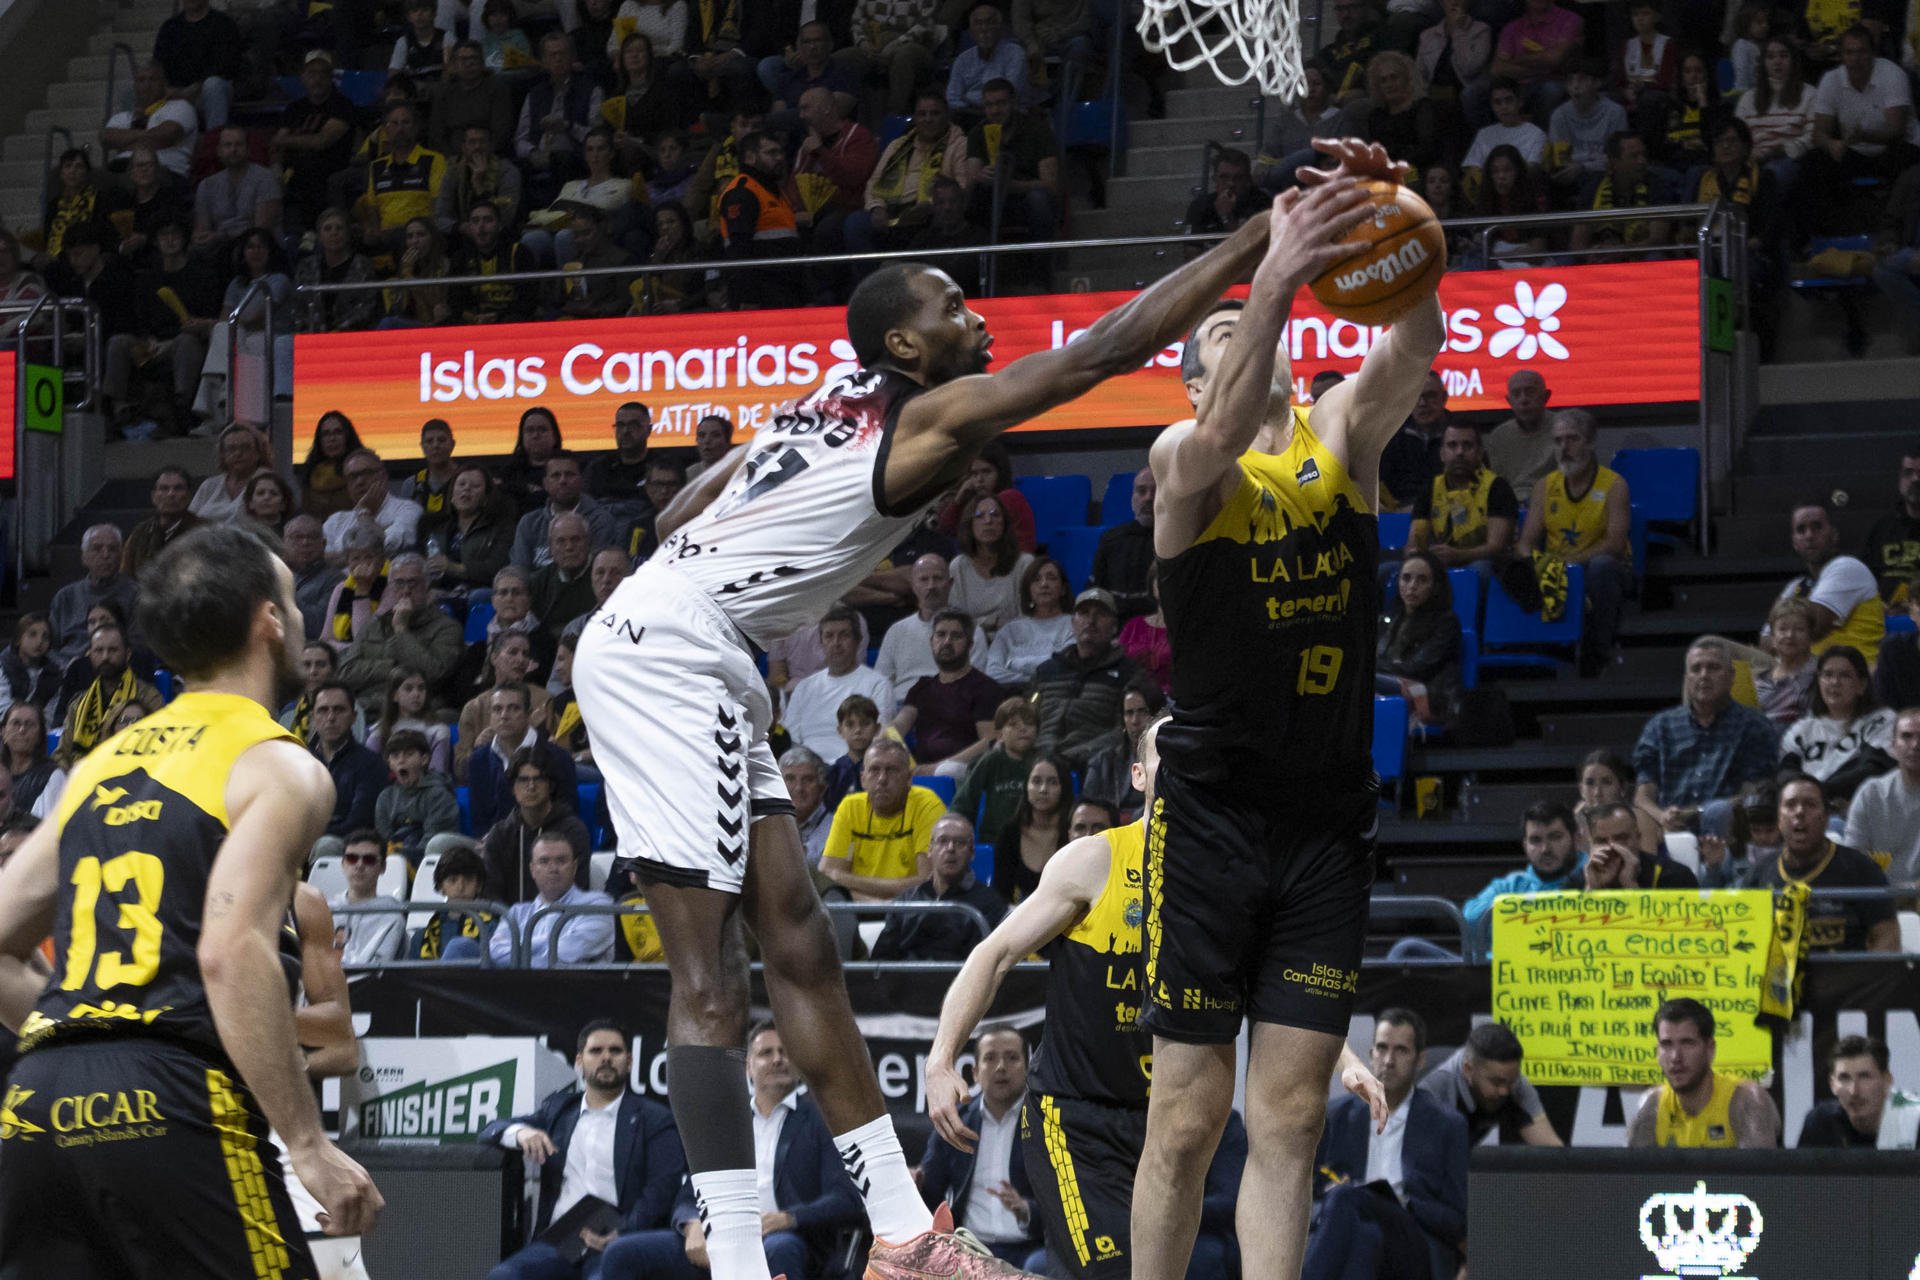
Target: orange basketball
(1405,256)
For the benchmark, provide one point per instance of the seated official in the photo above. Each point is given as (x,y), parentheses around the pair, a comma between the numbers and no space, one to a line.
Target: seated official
(1698,1106)
(601,1140)
(987,1188)
(1391,1205)
(1482,1081)
(806,1198)
(1865,1109)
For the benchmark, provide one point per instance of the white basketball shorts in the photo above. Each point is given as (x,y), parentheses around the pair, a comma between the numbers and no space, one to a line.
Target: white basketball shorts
(678,716)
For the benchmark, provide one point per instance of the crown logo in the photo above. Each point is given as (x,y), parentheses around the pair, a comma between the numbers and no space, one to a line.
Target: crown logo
(1698,1235)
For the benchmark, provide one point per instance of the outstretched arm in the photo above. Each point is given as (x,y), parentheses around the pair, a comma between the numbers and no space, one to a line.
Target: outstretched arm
(1192,460)
(952,421)
(1070,881)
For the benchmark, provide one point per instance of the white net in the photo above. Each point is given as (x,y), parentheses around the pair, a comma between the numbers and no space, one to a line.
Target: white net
(1262,36)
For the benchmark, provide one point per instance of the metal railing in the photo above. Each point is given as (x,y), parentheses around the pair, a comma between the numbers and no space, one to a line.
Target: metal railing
(1383,906)
(113,68)
(258,289)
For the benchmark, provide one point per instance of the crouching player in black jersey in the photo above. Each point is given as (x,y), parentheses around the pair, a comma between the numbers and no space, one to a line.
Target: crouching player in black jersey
(1085,1117)
(133,1136)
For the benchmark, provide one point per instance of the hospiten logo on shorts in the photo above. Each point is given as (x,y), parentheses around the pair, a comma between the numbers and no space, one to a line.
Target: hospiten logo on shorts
(1700,1234)
(1530,323)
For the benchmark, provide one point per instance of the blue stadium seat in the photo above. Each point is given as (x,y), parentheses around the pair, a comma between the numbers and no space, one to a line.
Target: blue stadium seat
(478,616)
(1470,658)
(1390,739)
(1465,584)
(1664,484)
(1637,538)
(983,863)
(163,681)
(1116,505)
(1897,623)
(1509,625)
(1395,527)
(586,797)
(462,798)
(1074,549)
(1058,502)
(893,127)
(359,87)
(1090,125)
(942,787)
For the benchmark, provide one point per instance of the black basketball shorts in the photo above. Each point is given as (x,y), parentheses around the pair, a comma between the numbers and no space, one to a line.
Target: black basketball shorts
(1080,1160)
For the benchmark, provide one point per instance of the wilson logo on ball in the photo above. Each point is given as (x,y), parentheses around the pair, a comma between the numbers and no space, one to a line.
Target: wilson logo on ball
(1409,258)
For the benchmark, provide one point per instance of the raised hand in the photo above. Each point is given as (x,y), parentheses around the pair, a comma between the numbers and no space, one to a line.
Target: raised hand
(1354,159)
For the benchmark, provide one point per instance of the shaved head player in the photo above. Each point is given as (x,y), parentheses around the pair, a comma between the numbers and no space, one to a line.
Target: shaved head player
(665,673)
(133,1138)
(1260,841)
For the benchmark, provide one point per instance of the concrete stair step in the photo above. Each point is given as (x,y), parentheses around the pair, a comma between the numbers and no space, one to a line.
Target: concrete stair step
(90,66)
(1772,492)
(76,119)
(1616,729)
(1806,453)
(1195,131)
(1114,220)
(137,37)
(1649,662)
(1761,531)
(30,146)
(89,94)
(1164,162)
(1680,628)
(20,175)
(1748,599)
(1213,100)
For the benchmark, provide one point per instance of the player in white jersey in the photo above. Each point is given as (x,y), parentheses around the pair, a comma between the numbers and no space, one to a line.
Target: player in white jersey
(761,545)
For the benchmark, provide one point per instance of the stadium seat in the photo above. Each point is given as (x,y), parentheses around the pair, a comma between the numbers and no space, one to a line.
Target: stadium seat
(1465,584)
(328,876)
(478,616)
(983,863)
(1058,502)
(1900,622)
(1663,483)
(893,127)
(1910,932)
(424,892)
(1510,626)
(1116,505)
(1637,539)
(1390,741)
(587,804)
(1074,549)
(1469,658)
(359,87)
(942,787)
(462,798)
(396,881)
(1090,125)
(163,681)
(598,869)
(1395,527)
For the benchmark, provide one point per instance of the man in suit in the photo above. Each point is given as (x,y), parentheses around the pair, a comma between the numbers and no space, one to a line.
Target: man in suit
(806,1198)
(603,1140)
(1391,1204)
(988,1187)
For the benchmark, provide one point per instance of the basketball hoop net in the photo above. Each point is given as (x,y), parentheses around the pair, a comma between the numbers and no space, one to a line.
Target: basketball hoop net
(1263,34)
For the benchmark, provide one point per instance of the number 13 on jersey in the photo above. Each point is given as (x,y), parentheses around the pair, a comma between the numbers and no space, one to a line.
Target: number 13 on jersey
(136,968)
(1319,669)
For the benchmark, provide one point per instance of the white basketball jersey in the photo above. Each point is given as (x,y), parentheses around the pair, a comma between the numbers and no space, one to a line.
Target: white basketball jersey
(800,524)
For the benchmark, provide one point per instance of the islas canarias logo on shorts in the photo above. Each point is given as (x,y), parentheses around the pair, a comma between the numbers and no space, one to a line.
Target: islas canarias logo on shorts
(1699,1234)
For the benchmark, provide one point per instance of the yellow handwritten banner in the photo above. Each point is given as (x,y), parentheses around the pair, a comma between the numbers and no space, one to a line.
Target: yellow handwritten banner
(1578,976)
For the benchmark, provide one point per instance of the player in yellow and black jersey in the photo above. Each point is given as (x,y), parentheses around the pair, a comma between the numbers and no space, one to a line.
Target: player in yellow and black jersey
(1260,839)
(1085,1117)
(133,1137)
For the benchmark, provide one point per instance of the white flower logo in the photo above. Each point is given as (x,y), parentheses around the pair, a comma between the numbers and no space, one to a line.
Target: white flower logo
(842,350)
(1523,338)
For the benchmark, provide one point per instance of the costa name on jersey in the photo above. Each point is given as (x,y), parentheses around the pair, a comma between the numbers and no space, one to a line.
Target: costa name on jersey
(803,519)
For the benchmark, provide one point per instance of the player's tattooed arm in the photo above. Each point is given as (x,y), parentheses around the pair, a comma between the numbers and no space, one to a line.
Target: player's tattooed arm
(1643,1128)
(1756,1122)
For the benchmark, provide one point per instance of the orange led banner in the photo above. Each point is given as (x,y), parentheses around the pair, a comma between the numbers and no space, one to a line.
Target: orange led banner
(1600,335)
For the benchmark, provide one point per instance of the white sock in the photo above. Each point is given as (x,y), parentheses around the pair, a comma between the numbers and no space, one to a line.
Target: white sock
(879,1168)
(729,1201)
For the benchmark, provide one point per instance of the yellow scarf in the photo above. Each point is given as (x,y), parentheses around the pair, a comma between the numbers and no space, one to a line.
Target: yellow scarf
(890,183)
(343,616)
(96,709)
(302,726)
(1786,953)
(1742,192)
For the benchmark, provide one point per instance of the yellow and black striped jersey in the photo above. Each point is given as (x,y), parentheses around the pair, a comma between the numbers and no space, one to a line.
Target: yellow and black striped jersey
(140,822)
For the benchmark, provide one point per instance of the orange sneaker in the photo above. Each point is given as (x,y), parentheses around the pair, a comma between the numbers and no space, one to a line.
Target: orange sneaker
(939,1253)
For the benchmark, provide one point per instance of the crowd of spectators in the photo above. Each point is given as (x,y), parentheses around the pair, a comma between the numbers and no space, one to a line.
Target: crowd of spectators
(1802,114)
(334,149)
